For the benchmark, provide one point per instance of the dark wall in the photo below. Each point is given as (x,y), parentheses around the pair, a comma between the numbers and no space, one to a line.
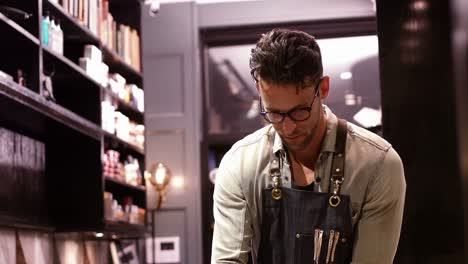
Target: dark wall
(460,55)
(418,102)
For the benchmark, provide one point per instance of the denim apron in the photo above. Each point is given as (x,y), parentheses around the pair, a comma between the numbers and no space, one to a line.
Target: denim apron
(301,226)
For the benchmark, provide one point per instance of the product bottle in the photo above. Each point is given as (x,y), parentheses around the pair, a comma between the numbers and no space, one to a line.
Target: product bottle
(55,40)
(59,38)
(52,34)
(45,29)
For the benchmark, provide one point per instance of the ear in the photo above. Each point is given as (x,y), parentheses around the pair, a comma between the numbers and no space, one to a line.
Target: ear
(324,87)
(257,85)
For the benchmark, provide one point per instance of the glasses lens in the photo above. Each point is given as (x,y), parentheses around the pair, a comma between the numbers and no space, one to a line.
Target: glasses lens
(299,115)
(273,117)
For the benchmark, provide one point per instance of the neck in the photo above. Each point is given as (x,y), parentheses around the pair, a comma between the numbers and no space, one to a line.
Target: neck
(309,155)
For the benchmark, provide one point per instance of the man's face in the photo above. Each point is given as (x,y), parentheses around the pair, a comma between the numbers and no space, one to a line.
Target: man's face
(296,135)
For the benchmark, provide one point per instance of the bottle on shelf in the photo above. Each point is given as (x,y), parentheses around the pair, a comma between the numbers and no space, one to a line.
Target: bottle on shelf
(45,25)
(52,34)
(55,36)
(59,38)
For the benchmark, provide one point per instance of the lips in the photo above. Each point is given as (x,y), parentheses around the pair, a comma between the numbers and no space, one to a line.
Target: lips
(292,138)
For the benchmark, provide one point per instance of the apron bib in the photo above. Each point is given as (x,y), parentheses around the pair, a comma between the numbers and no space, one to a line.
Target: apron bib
(301,226)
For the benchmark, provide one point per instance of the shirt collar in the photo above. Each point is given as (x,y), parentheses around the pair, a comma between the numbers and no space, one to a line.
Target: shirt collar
(328,144)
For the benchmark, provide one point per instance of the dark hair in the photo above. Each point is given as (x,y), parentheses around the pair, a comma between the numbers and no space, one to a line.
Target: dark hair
(286,56)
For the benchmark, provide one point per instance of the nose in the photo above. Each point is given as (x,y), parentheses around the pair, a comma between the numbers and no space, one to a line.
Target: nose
(288,126)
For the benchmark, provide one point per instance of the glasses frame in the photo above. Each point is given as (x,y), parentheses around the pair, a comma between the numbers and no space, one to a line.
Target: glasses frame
(289,113)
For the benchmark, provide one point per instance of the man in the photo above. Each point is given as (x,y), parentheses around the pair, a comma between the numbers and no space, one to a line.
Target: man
(309,188)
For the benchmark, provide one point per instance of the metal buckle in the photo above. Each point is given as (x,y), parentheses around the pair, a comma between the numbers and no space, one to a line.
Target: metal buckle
(276,194)
(337,186)
(334,200)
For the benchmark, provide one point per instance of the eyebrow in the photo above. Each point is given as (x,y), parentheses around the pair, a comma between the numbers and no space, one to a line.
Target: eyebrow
(292,109)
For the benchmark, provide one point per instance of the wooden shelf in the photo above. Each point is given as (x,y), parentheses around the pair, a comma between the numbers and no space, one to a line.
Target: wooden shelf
(131,111)
(117,64)
(124,184)
(13,222)
(35,101)
(124,143)
(19,29)
(73,66)
(124,228)
(75,31)
(125,105)
(110,227)
(72,29)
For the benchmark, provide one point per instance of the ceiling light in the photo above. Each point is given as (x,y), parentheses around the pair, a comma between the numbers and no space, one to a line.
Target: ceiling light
(420,5)
(346,75)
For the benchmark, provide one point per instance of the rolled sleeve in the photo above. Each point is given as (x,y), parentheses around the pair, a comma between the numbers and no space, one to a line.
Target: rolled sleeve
(232,229)
(378,230)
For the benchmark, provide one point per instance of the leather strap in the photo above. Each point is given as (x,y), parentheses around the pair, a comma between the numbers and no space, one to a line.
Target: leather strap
(275,170)
(338,163)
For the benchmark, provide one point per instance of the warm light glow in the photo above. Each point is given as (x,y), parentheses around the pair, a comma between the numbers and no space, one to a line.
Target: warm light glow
(414,25)
(346,75)
(178,182)
(160,174)
(350,99)
(71,251)
(99,234)
(341,58)
(420,5)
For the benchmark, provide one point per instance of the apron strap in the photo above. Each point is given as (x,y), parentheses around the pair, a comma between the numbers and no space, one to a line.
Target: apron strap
(275,169)
(338,163)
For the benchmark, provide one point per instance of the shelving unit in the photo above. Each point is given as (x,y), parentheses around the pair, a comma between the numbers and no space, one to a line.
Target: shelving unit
(15,27)
(118,65)
(52,55)
(125,230)
(126,185)
(123,144)
(69,127)
(75,32)
(23,99)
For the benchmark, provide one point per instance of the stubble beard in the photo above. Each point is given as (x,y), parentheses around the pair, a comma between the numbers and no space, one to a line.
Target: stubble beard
(306,142)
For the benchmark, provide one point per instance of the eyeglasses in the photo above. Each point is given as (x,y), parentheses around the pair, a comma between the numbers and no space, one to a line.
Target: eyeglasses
(299,114)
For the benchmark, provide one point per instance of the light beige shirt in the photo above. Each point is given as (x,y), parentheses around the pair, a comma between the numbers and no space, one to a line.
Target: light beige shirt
(374,179)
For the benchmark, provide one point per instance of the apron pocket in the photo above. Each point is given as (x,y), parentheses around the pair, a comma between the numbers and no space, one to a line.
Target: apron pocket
(329,247)
(304,248)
